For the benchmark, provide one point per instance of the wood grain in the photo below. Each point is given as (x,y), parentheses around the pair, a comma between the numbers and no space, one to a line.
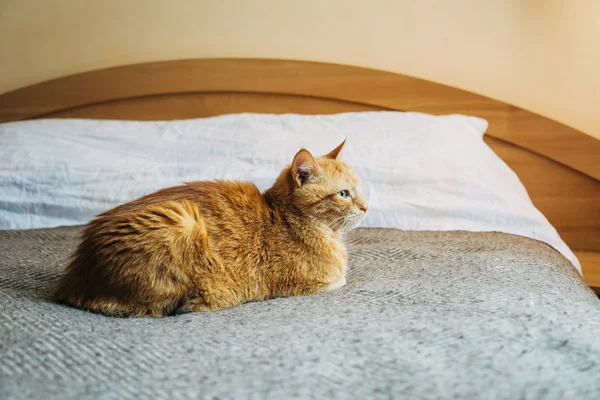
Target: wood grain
(200,105)
(318,80)
(568,199)
(590,263)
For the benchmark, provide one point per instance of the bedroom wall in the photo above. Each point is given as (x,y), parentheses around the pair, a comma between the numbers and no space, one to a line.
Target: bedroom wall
(543,55)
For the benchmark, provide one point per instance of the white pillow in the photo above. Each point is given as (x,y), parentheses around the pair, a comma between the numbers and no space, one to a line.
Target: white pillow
(420,172)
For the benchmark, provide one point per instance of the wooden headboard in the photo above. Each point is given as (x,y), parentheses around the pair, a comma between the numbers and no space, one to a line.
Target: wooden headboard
(559,166)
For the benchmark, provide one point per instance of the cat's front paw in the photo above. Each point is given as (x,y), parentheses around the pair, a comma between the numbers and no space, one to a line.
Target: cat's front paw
(336,284)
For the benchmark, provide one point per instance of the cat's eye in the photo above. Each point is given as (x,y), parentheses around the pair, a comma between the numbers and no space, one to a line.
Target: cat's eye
(344,194)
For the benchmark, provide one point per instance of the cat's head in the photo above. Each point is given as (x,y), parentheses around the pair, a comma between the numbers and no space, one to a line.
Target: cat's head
(324,188)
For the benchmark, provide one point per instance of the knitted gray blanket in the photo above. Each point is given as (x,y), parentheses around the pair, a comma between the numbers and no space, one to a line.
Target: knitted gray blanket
(427,315)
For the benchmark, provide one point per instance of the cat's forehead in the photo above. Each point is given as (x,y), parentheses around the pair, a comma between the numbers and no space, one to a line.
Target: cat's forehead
(338,172)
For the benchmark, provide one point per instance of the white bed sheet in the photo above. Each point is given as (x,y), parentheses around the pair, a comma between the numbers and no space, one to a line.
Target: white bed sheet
(420,172)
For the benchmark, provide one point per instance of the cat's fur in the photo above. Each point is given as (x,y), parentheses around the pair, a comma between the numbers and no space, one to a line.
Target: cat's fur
(211,245)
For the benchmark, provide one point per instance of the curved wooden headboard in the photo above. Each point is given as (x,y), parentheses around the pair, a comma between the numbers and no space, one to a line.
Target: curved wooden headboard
(559,166)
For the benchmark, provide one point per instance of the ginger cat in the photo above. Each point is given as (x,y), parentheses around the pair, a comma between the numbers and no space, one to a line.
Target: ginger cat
(212,245)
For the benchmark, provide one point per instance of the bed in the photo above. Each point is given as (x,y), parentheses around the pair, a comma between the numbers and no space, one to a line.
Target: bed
(426,313)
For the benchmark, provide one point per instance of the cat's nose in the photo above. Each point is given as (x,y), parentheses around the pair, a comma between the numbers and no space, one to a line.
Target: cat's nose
(364,208)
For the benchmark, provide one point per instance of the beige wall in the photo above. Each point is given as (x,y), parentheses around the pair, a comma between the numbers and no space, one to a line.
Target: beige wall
(543,55)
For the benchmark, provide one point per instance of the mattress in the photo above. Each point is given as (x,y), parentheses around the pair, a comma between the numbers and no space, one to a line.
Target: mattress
(426,315)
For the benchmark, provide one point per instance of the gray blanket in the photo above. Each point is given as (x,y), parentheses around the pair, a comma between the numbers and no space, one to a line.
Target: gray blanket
(424,315)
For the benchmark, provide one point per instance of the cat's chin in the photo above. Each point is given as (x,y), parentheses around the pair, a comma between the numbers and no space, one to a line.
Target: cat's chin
(348,228)
(353,221)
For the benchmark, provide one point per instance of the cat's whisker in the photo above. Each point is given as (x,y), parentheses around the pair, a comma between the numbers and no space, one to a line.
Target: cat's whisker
(352,220)
(348,221)
(346,227)
(335,222)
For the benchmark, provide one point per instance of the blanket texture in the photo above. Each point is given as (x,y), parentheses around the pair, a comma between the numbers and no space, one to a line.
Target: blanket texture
(425,315)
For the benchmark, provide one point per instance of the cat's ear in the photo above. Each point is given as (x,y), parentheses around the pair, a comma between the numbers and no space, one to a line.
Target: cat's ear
(304,168)
(333,154)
